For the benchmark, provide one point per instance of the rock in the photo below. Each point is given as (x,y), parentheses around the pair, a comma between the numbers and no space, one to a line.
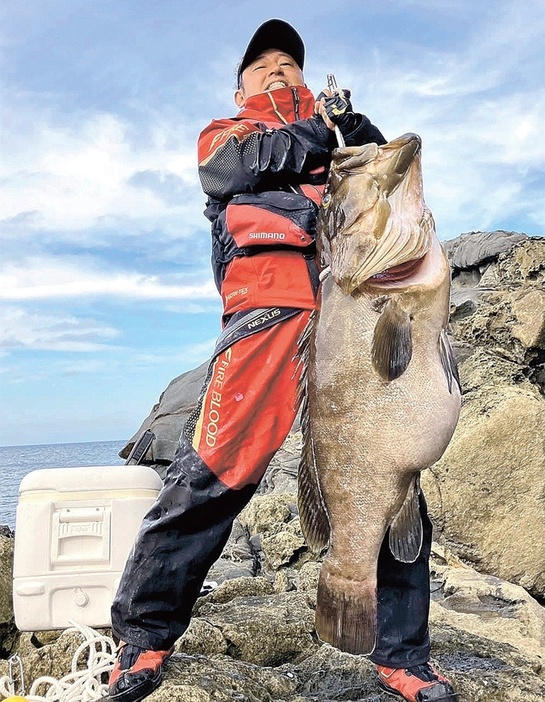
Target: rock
(492,608)
(475,249)
(486,493)
(281,475)
(238,558)
(168,416)
(273,518)
(509,324)
(53,660)
(265,630)
(308,579)
(237,587)
(482,672)
(8,631)
(202,639)
(485,671)
(268,513)
(283,547)
(522,265)
(222,679)
(505,313)
(529,312)
(248,642)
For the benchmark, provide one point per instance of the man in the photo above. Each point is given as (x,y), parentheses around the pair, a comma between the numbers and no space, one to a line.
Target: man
(263,172)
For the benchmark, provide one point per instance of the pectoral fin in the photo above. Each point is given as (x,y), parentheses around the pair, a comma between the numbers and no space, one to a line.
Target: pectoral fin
(406,530)
(392,342)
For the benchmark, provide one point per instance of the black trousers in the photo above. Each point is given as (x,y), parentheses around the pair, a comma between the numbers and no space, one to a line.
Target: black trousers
(183,535)
(403,603)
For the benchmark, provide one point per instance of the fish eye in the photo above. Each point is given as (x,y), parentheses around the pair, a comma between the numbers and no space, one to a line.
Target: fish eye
(326,200)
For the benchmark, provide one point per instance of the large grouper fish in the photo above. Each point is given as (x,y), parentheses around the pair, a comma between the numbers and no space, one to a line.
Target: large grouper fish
(381,392)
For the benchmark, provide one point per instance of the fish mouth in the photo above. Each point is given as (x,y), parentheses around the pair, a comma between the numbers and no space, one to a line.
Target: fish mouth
(397,273)
(394,276)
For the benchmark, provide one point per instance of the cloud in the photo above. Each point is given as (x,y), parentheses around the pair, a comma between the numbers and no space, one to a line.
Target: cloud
(479,105)
(167,186)
(22,329)
(104,361)
(45,278)
(69,175)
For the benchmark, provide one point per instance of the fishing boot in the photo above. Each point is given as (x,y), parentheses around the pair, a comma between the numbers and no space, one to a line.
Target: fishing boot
(136,673)
(420,683)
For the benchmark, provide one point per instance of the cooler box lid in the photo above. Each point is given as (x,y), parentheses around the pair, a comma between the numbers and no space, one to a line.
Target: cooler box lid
(91,478)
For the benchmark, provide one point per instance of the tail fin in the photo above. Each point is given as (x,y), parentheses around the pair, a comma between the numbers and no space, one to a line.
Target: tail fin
(346,613)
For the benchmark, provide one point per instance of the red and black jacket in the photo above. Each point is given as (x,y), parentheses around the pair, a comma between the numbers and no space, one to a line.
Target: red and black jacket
(263,172)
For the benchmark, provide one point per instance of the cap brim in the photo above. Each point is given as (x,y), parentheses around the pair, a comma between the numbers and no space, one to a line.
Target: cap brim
(274,34)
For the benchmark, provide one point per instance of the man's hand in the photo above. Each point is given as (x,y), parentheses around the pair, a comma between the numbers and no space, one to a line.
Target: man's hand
(334,107)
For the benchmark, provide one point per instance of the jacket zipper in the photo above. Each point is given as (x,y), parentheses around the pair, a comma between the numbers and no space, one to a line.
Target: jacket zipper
(295,102)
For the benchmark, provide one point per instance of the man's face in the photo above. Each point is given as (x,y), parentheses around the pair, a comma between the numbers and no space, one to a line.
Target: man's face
(271,70)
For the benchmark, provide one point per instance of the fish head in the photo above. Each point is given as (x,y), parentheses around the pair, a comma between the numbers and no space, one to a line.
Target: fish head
(373,220)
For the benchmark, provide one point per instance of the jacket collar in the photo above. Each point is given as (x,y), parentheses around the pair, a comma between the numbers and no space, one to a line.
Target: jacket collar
(283,105)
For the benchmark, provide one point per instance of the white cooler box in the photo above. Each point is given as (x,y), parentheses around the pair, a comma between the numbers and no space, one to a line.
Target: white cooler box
(74,530)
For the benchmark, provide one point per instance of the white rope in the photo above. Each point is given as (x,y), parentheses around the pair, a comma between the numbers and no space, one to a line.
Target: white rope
(80,685)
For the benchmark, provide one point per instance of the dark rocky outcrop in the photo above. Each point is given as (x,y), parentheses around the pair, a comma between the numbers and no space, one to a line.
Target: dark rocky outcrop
(168,416)
(8,632)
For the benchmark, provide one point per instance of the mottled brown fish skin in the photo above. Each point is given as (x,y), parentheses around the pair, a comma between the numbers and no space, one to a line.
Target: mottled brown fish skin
(382,391)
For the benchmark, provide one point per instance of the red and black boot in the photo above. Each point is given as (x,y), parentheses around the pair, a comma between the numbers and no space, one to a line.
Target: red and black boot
(136,673)
(420,683)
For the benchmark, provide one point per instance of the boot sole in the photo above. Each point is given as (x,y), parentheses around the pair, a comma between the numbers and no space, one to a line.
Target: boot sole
(138,692)
(448,697)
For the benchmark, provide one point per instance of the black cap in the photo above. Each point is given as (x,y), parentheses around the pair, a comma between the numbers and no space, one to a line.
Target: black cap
(273,34)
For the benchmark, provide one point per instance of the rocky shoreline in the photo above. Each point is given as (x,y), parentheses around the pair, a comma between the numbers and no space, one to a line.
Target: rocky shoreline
(253,639)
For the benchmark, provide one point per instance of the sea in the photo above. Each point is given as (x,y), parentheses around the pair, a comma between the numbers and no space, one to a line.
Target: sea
(17,461)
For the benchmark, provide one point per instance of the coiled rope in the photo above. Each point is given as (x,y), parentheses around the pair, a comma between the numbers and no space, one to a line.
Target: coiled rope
(81,684)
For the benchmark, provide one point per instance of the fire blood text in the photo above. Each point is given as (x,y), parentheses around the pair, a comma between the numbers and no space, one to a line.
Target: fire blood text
(214,406)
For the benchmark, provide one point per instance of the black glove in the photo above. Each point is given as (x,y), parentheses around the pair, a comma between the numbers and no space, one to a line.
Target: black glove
(339,110)
(337,105)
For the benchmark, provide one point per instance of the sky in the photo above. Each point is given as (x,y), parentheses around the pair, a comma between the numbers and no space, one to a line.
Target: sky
(106,292)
